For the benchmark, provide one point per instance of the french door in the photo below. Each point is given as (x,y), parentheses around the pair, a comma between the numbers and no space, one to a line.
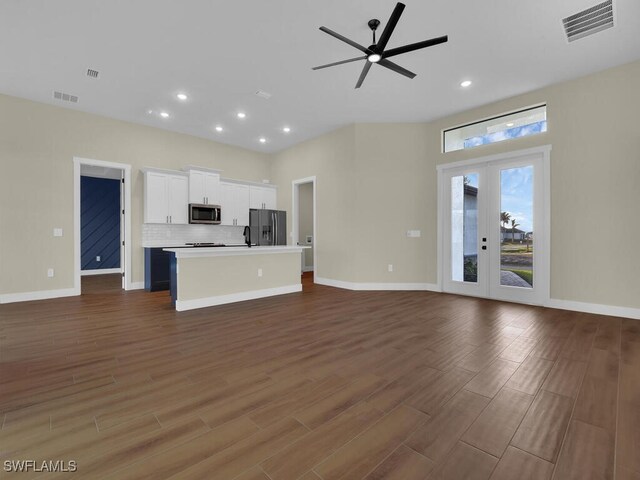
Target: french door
(494,227)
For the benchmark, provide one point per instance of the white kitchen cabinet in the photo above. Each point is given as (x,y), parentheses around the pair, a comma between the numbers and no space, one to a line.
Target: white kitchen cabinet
(204,187)
(166,197)
(178,199)
(234,204)
(262,197)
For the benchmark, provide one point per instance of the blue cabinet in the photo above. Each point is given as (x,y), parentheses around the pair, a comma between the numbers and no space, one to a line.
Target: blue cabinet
(157,274)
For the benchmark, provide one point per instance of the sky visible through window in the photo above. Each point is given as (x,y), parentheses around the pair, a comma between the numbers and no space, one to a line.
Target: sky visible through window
(516,196)
(515,132)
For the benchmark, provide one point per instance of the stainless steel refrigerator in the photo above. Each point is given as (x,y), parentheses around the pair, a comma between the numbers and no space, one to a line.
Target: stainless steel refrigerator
(268,227)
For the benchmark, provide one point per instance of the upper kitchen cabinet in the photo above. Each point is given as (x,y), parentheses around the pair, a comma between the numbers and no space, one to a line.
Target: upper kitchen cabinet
(166,196)
(262,197)
(234,204)
(204,186)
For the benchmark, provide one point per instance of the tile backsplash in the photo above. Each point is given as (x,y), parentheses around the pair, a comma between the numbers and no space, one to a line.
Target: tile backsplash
(160,235)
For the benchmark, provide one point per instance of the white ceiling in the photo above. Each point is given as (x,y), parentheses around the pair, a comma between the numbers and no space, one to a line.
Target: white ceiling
(221,53)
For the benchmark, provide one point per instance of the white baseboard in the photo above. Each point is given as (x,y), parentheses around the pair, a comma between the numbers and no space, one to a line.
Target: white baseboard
(182,305)
(432,287)
(104,271)
(599,309)
(307,269)
(39,295)
(136,286)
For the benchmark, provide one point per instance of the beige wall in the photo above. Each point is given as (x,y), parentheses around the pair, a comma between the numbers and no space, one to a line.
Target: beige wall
(595,190)
(595,181)
(37,146)
(331,159)
(305,218)
(393,195)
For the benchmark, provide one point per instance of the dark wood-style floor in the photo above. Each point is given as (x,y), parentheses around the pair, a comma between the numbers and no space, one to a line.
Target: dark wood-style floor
(325,384)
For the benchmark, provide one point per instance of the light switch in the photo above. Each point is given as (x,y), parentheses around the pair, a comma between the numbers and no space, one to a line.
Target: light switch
(413,233)
(50,273)
(259,272)
(57,232)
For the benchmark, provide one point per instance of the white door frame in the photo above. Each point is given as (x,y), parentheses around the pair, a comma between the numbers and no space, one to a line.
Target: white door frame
(126,170)
(543,265)
(295,227)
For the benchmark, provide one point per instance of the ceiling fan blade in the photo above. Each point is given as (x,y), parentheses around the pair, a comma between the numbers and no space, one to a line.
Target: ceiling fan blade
(345,40)
(339,63)
(365,70)
(396,68)
(390,26)
(415,46)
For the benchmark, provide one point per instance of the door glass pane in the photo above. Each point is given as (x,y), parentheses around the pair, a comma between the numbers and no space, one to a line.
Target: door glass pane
(516,227)
(464,228)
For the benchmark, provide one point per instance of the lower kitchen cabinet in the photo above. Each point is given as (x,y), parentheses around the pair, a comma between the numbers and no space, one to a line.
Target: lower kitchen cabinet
(156,269)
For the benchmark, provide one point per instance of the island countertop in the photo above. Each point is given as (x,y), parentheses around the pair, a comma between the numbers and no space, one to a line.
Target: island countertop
(193,252)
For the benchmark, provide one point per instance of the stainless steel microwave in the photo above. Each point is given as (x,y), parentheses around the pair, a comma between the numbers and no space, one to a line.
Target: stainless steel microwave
(207,214)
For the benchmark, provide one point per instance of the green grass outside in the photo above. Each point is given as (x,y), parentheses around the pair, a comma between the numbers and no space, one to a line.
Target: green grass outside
(526,275)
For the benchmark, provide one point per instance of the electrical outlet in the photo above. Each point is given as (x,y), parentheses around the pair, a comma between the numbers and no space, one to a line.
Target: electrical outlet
(50,273)
(57,232)
(259,272)
(97,258)
(390,267)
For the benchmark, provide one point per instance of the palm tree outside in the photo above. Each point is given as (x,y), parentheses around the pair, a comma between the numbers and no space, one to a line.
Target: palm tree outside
(504,220)
(513,229)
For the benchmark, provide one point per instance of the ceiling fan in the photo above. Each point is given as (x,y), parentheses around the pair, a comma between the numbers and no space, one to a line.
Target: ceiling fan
(376,52)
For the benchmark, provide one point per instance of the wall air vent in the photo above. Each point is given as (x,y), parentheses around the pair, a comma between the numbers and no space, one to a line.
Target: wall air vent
(589,21)
(65,97)
(92,73)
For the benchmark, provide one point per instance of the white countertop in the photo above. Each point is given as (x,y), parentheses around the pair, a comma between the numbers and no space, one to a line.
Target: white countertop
(191,252)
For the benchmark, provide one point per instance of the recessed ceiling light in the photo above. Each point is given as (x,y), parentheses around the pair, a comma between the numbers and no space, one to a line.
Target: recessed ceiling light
(182,96)
(466,83)
(218,128)
(149,111)
(510,124)
(263,140)
(286,129)
(241,115)
(164,114)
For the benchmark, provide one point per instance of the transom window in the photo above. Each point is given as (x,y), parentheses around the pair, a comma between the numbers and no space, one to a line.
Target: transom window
(525,122)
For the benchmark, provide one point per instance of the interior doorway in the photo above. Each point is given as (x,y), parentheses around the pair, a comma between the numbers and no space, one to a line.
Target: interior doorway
(102,224)
(304,223)
(494,224)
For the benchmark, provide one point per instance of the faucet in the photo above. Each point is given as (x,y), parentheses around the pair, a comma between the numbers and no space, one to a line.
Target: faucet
(247,235)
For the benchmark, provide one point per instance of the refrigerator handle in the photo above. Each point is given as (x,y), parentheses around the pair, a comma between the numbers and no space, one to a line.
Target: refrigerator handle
(275,240)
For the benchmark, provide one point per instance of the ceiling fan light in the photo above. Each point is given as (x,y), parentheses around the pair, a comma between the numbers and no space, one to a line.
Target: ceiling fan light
(374,58)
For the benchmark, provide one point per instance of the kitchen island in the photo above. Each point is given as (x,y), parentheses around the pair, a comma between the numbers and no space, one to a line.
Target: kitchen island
(204,277)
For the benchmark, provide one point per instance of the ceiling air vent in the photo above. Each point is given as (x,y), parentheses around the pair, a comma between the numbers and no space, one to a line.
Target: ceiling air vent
(65,97)
(92,73)
(263,94)
(589,21)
